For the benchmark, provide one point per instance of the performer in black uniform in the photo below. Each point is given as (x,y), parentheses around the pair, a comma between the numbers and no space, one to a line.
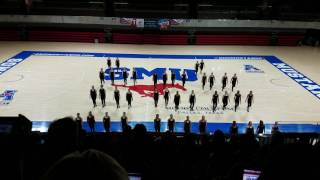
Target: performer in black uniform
(109,62)
(93,95)
(187,125)
(117,97)
(249,129)
(196,67)
(183,78)
(164,78)
(201,66)
(79,121)
(202,125)
(237,100)
(260,128)
(129,98)
(204,80)
(124,121)
(156,97)
(234,129)
(275,128)
(102,93)
(112,75)
(157,123)
(192,100)
(234,81)
(215,100)
(155,79)
(225,100)
(173,77)
(91,121)
(176,100)
(125,76)
(249,99)
(166,96)
(211,80)
(106,122)
(134,76)
(101,76)
(117,63)
(224,81)
(171,123)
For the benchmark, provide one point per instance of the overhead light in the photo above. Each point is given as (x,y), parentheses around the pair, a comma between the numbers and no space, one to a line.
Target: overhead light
(181,5)
(95,2)
(121,3)
(205,5)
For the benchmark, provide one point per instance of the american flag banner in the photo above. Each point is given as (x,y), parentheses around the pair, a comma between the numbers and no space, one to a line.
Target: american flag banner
(128,21)
(164,23)
(133,22)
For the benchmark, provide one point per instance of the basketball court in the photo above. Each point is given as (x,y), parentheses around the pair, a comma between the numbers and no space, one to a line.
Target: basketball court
(46,81)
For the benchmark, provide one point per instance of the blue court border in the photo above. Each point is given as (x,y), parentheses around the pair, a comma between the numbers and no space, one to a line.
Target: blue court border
(290,72)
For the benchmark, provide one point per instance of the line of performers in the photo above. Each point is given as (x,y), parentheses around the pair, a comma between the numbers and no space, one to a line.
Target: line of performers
(157,123)
(202,124)
(204,79)
(176,99)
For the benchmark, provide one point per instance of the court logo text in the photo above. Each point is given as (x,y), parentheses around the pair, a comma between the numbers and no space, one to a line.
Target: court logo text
(7,97)
(252,69)
(142,73)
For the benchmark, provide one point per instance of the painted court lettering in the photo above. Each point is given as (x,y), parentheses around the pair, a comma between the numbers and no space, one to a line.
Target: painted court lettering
(308,84)
(6,65)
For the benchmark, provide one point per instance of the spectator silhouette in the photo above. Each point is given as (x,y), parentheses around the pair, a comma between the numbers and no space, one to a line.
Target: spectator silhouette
(90,164)
(139,131)
(291,161)
(218,138)
(23,126)
(61,140)
(62,136)
(276,138)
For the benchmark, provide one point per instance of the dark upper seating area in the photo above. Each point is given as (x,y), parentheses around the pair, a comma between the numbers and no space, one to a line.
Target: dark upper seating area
(205,9)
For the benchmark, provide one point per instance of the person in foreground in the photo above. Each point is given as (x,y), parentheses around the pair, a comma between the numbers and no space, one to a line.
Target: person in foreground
(90,164)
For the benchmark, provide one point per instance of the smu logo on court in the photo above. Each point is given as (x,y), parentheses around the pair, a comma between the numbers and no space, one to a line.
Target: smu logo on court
(142,73)
(7,97)
(252,69)
(147,90)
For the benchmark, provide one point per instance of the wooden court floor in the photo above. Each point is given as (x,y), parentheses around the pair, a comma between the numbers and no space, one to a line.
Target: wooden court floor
(51,87)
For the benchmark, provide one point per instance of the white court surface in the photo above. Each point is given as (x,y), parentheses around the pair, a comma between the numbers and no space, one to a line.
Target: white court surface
(50,87)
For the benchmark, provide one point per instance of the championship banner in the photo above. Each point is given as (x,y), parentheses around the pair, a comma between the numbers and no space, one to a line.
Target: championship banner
(177,21)
(140,23)
(133,22)
(151,23)
(162,23)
